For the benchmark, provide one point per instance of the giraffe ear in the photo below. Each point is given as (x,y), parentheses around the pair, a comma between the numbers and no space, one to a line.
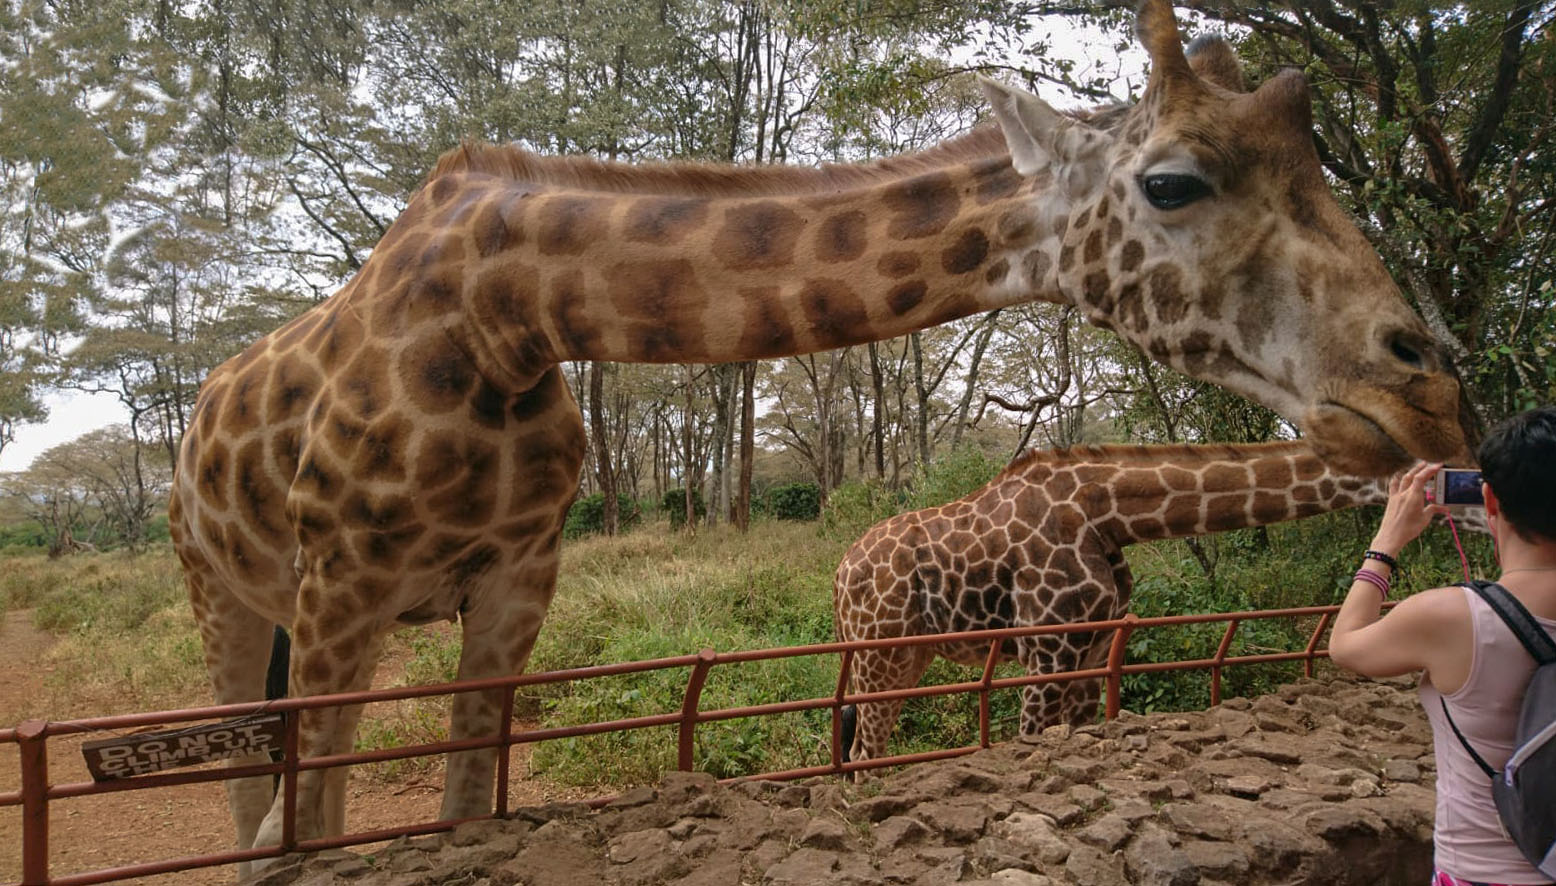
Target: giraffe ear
(1031,127)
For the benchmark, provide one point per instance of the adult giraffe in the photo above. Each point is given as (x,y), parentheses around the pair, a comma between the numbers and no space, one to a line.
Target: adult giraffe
(1042,543)
(406,450)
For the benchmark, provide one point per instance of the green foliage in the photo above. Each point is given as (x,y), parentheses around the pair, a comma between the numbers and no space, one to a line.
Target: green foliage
(794,501)
(587,515)
(859,504)
(674,505)
(952,476)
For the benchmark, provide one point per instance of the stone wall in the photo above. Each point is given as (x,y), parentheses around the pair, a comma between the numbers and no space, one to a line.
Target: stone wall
(1324,782)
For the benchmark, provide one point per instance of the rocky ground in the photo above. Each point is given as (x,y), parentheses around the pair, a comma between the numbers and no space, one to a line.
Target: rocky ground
(1325,782)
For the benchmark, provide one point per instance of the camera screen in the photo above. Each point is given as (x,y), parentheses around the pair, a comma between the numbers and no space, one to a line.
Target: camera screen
(1461,487)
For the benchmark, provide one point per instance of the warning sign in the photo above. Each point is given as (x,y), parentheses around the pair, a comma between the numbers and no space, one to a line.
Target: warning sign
(146,752)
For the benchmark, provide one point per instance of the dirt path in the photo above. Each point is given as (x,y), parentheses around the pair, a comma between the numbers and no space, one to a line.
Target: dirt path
(136,826)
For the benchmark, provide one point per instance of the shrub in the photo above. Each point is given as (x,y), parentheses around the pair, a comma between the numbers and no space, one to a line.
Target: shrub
(674,504)
(857,505)
(587,515)
(794,501)
(951,476)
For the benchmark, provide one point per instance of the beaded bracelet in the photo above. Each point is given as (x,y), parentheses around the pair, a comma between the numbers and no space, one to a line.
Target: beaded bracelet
(1381,557)
(1374,579)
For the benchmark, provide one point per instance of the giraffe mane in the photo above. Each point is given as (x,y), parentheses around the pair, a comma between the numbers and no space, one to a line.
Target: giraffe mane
(688,178)
(1113,453)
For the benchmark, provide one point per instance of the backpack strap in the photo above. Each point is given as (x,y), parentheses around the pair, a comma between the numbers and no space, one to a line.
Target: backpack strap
(1479,761)
(1518,620)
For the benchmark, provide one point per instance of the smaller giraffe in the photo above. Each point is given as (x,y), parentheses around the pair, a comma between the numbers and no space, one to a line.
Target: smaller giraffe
(1043,543)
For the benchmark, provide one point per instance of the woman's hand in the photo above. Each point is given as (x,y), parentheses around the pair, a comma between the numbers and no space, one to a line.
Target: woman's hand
(1408,510)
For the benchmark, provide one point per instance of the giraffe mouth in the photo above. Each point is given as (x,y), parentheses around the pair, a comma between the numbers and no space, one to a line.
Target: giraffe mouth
(1354,441)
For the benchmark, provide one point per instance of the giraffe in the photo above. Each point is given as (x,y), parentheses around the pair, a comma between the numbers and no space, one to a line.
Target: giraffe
(1042,543)
(405,450)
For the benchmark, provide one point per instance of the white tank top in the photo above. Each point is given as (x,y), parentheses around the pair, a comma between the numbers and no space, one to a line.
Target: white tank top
(1470,842)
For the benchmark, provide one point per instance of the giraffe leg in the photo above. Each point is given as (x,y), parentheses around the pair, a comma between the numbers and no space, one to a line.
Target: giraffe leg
(877,670)
(499,633)
(1048,704)
(334,649)
(237,644)
(334,804)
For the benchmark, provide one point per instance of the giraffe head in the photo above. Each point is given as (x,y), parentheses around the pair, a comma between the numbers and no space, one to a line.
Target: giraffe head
(1198,225)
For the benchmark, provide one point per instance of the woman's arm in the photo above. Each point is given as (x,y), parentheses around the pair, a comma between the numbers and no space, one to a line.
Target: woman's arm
(1422,630)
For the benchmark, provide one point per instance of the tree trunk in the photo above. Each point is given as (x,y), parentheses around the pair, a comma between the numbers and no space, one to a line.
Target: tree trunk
(602,446)
(742,516)
(877,431)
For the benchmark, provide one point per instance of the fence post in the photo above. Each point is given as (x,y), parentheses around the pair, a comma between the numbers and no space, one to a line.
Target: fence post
(983,692)
(1312,644)
(506,750)
(1116,663)
(290,754)
(837,709)
(689,706)
(1215,670)
(33,744)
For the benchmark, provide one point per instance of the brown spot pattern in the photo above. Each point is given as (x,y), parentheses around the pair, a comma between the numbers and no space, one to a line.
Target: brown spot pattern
(757,235)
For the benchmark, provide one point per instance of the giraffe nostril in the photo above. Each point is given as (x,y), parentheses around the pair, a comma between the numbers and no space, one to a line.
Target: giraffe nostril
(1406,351)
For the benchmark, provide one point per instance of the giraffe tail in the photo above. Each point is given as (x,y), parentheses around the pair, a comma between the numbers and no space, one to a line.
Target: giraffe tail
(275,674)
(850,725)
(275,681)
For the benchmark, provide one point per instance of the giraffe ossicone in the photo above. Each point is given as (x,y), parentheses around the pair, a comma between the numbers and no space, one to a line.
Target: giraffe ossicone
(406,449)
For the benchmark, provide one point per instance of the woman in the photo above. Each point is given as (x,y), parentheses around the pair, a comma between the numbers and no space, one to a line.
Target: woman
(1469,658)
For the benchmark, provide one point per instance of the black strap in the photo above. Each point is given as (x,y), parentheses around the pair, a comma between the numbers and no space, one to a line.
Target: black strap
(1524,627)
(1484,766)
(1518,620)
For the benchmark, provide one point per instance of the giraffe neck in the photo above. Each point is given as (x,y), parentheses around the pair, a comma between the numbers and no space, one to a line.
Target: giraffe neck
(1157,492)
(610,262)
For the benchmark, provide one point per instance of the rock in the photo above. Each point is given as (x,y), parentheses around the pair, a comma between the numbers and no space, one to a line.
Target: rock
(995,853)
(1152,860)
(825,832)
(634,797)
(1019,877)
(1107,833)
(880,808)
(1199,821)
(1080,770)
(721,868)
(1034,834)
(1253,746)
(1222,861)
(803,868)
(638,845)
(898,831)
(1086,797)
(956,822)
(1060,809)
(793,796)
(473,832)
(1093,867)
(1365,787)
(1250,786)
(1340,822)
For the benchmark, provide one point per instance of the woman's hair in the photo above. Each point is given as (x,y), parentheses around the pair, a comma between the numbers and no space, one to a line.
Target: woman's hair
(1518,460)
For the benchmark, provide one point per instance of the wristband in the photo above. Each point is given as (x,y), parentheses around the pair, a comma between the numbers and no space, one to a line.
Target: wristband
(1381,557)
(1374,579)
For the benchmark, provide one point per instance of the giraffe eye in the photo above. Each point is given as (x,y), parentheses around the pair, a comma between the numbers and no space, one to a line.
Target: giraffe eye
(1173,190)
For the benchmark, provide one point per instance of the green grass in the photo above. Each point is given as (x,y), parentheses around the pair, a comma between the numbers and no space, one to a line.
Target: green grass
(128,640)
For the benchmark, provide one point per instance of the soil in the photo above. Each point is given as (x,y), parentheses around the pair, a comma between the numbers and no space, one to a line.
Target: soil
(89,833)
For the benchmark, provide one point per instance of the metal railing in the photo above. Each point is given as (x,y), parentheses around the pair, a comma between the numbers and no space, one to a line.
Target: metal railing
(37,792)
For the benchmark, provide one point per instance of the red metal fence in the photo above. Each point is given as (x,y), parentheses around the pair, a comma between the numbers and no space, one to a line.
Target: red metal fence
(37,793)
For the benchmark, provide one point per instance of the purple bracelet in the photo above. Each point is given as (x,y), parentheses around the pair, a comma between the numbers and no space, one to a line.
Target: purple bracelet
(1374,579)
